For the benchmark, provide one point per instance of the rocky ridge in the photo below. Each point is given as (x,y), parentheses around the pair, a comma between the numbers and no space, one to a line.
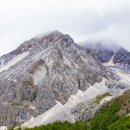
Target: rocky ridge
(48,73)
(118,56)
(54,68)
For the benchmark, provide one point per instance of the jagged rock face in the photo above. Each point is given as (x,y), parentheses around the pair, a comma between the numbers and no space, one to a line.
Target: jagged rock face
(41,71)
(119,56)
(13,114)
(99,51)
(122,58)
(85,110)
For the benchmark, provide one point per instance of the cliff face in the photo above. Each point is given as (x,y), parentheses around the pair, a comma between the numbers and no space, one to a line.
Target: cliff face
(52,74)
(118,56)
(42,71)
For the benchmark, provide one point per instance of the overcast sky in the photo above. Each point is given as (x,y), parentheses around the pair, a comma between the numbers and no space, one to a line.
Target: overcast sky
(92,20)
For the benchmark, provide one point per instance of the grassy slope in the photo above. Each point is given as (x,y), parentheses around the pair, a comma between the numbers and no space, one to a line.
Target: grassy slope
(111,117)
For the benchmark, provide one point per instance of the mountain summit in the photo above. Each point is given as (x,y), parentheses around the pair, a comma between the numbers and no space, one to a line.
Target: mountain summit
(115,56)
(51,78)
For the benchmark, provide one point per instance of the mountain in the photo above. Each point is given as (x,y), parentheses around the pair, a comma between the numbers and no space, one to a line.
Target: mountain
(109,54)
(113,115)
(51,78)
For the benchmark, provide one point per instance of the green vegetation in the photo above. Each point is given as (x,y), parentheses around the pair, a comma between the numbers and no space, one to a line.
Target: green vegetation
(106,116)
(112,116)
(100,97)
(17,104)
(122,124)
(62,126)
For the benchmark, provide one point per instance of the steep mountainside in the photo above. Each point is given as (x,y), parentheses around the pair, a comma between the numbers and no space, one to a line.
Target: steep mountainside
(51,78)
(115,56)
(42,71)
(114,115)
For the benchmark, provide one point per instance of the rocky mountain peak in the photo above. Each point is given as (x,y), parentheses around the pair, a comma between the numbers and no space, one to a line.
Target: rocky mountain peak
(44,41)
(42,71)
(118,56)
(122,56)
(52,73)
(54,37)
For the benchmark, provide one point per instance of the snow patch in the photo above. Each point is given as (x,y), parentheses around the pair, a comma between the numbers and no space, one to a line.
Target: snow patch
(106,99)
(66,61)
(91,92)
(3,128)
(109,63)
(62,112)
(69,62)
(125,78)
(57,113)
(14,61)
(40,75)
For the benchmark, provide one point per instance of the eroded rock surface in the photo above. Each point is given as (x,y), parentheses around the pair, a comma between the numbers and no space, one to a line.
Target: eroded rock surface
(54,68)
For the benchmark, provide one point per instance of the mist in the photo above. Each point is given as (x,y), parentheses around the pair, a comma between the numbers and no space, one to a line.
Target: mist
(83,20)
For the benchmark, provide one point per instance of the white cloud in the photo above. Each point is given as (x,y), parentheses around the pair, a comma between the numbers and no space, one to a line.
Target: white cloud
(82,19)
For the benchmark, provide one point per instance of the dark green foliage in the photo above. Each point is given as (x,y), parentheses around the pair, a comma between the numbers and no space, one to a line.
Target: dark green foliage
(122,124)
(110,117)
(106,116)
(62,126)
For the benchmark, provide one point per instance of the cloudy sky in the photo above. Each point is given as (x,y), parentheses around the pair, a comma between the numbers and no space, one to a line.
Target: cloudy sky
(91,20)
